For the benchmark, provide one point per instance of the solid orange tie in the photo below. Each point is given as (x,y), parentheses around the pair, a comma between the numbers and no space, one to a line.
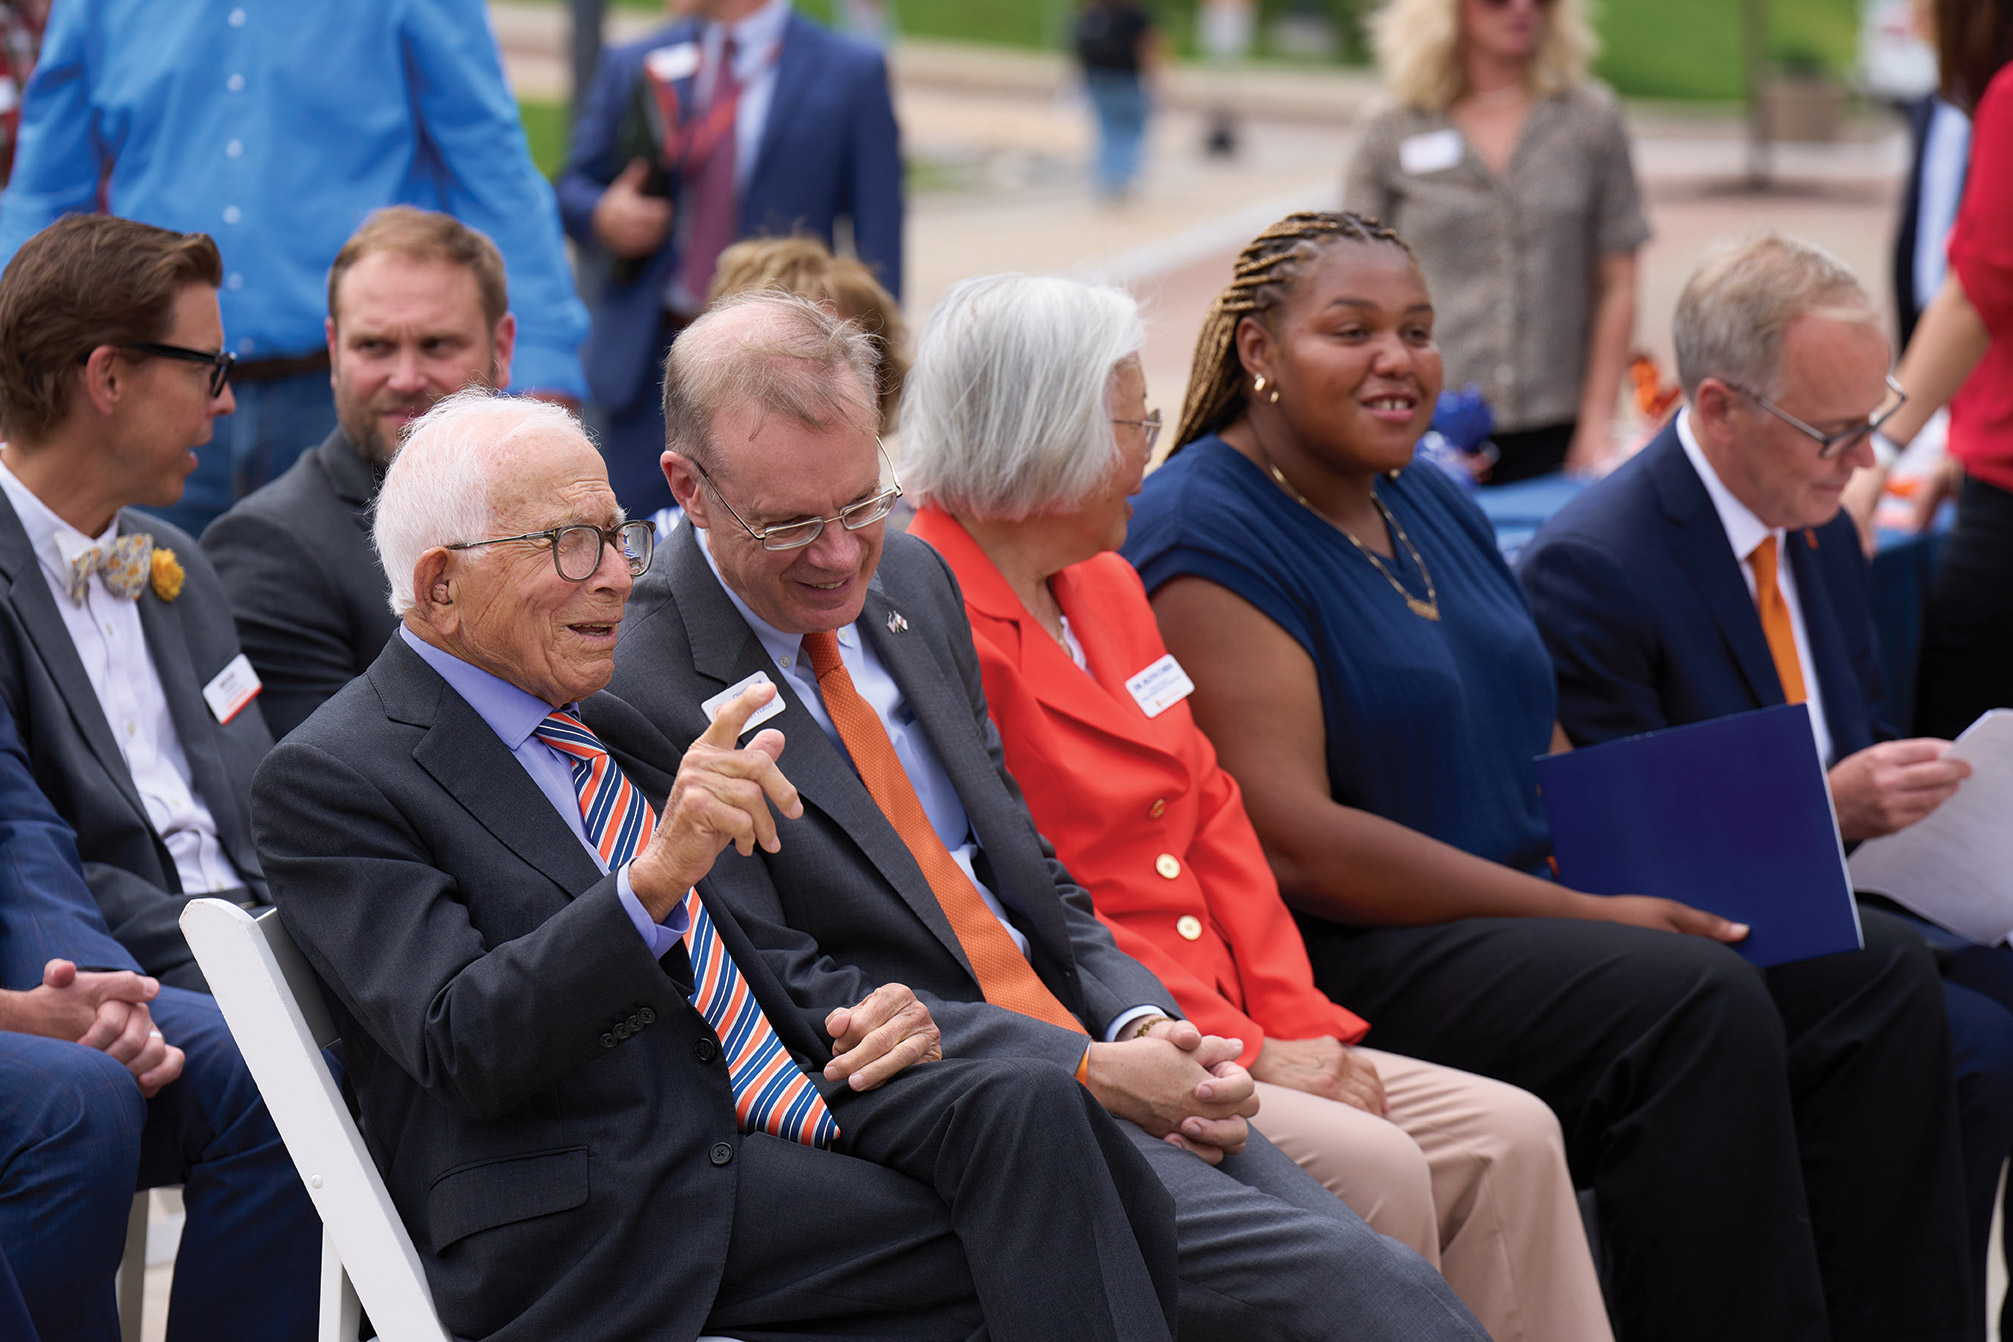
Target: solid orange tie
(1004,974)
(1775,623)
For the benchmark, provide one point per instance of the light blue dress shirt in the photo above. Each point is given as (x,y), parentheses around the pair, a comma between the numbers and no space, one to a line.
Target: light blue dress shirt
(276,126)
(912,747)
(514,715)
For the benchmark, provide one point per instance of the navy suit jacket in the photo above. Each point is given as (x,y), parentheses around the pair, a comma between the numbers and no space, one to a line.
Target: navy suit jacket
(830,149)
(1642,603)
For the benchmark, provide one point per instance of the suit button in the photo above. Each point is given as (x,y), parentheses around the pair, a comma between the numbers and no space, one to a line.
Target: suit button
(1189,926)
(635,1023)
(1157,810)
(647,1016)
(622,1030)
(722,1153)
(1168,865)
(608,1041)
(705,1050)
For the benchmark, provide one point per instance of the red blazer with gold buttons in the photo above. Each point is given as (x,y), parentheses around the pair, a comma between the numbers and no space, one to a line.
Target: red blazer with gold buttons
(1138,808)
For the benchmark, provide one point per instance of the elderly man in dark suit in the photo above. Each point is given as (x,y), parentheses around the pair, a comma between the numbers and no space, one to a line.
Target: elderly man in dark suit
(108,1082)
(1716,573)
(117,655)
(418,308)
(761,123)
(598,1112)
(914,859)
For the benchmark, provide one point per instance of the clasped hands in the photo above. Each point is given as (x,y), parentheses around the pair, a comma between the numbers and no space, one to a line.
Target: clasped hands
(106,1011)
(1180,1085)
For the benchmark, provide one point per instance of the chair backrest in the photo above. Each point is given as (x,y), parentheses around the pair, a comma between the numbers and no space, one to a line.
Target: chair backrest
(272,1002)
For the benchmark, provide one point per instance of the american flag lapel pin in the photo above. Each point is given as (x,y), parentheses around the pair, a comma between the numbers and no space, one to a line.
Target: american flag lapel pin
(896,623)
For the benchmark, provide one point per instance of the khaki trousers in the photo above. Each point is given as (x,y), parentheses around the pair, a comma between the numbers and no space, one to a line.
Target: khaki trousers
(1469,1172)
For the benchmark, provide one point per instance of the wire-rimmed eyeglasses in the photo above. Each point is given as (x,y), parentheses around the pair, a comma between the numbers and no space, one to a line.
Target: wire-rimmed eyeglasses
(220,361)
(796,535)
(576,547)
(1150,426)
(1831,446)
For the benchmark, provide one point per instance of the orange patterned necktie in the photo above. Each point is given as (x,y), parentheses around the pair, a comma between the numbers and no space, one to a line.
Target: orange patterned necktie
(1004,974)
(1775,624)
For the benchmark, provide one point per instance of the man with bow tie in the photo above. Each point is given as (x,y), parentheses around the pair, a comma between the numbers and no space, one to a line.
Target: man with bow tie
(117,653)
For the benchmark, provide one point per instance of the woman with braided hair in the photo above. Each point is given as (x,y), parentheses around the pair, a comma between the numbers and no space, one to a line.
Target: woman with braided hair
(1769,1149)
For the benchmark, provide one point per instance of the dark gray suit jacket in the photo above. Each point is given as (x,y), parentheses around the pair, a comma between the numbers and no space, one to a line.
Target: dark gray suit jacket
(77,762)
(844,907)
(310,598)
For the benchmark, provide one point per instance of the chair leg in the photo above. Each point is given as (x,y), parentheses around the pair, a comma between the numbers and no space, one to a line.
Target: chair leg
(341,1315)
(133,1269)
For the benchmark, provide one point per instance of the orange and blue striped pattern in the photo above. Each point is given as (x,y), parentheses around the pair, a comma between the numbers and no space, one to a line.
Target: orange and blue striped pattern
(771,1093)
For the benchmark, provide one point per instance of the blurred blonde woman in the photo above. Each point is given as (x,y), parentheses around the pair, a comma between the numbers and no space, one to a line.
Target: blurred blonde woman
(1506,167)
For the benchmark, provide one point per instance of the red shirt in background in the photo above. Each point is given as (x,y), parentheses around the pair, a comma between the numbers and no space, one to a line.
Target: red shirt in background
(1981,255)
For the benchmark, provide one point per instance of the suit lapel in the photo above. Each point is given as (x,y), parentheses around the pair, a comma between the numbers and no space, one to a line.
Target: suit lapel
(1844,697)
(29,591)
(469,761)
(1699,542)
(726,651)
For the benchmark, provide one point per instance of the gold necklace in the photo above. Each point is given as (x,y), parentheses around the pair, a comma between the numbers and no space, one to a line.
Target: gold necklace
(1429,609)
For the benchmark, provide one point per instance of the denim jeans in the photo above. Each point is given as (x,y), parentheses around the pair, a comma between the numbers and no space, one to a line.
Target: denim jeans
(275,422)
(1119,96)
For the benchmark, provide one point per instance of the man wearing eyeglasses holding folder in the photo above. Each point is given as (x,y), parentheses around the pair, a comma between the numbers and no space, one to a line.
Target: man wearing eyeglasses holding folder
(117,653)
(1716,573)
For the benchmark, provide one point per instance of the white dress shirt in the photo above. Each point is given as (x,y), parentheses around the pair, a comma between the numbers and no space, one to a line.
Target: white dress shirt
(1744,531)
(112,645)
(912,746)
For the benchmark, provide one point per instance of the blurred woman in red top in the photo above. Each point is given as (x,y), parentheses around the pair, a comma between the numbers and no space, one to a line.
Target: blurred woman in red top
(1962,355)
(1025,430)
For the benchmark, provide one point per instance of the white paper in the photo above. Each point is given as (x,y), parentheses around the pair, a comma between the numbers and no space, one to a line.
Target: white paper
(727,696)
(1431,151)
(1955,867)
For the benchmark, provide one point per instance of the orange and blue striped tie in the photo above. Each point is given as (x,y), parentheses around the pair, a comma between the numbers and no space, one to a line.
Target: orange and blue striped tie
(771,1093)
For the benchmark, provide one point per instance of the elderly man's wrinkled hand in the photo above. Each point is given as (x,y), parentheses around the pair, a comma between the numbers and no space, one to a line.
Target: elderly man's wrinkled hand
(721,795)
(890,1031)
(1196,1098)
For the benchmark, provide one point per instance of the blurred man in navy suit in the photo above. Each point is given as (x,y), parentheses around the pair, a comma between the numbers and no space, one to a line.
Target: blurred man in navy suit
(742,118)
(110,1082)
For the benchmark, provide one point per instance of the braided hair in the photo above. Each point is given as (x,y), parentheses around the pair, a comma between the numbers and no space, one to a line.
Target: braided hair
(1266,272)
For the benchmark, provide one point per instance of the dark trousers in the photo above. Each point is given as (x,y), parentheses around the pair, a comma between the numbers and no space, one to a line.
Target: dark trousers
(1773,1153)
(1522,454)
(980,1197)
(1967,640)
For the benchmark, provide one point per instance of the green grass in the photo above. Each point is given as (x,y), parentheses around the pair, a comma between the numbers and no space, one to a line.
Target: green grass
(1681,49)
(545,126)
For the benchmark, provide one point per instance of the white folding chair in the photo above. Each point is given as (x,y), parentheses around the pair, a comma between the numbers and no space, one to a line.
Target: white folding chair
(272,1002)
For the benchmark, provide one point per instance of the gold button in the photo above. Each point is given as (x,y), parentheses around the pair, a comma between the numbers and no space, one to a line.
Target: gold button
(1167,865)
(1189,926)
(1157,810)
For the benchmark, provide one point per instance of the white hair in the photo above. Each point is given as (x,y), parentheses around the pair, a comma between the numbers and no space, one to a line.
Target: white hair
(440,486)
(1736,307)
(1005,413)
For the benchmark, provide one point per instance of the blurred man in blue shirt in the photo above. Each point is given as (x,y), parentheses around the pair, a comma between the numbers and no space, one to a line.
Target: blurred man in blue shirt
(275,126)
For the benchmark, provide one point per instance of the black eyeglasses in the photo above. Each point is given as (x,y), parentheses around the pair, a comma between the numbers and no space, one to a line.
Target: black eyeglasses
(796,535)
(1150,426)
(220,361)
(576,548)
(1831,446)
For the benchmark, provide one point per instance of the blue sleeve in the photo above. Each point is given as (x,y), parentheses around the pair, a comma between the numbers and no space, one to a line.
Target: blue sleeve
(590,162)
(877,180)
(467,115)
(59,159)
(1602,640)
(46,910)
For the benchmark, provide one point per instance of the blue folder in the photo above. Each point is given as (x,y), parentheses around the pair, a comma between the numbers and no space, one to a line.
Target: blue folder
(1732,816)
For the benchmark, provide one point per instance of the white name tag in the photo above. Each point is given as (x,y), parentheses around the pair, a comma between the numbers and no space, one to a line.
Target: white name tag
(1160,687)
(672,64)
(235,686)
(727,696)
(1434,151)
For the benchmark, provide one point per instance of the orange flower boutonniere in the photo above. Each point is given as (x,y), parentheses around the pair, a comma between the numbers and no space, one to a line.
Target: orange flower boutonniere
(167,575)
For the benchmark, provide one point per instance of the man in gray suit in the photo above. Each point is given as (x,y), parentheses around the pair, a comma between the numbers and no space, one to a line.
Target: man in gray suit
(914,859)
(117,656)
(590,1127)
(418,309)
